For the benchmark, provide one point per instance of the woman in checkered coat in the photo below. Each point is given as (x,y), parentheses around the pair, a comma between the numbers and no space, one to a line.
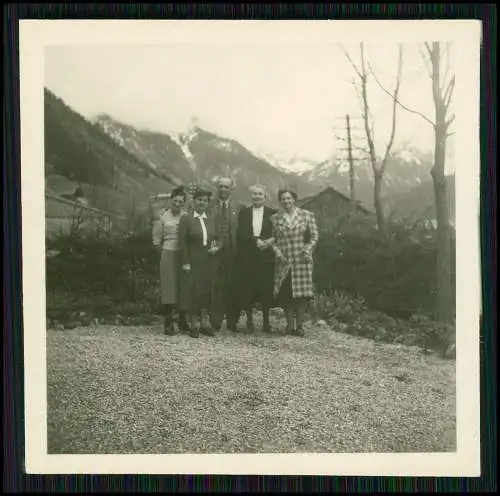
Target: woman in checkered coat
(295,236)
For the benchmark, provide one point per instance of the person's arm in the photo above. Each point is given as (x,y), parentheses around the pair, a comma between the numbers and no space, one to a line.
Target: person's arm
(241,235)
(268,243)
(274,241)
(313,229)
(183,242)
(214,239)
(157,233)
(213,218)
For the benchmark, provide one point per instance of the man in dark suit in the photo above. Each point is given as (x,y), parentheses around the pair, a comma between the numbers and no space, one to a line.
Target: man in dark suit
(255,257)
(224,213)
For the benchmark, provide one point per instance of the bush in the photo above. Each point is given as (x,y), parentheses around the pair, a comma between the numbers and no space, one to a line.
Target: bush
(370,285)
(101,275)
(394,274)
(350,315)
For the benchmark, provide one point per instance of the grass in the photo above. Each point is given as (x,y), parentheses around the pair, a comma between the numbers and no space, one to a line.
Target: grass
(133,390)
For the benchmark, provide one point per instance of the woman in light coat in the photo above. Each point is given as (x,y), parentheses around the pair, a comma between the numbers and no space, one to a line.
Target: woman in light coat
(295,236)
(166,239)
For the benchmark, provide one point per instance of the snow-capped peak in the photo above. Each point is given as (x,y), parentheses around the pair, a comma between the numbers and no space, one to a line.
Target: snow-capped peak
(407,156)
(289,163)
(183,141)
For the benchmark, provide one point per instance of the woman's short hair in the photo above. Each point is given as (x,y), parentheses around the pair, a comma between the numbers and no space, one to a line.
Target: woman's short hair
(200,192)
(282,191)
(258,187)
(178,191)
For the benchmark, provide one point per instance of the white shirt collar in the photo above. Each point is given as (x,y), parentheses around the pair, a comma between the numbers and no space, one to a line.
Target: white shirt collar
(258,208)
(200,216)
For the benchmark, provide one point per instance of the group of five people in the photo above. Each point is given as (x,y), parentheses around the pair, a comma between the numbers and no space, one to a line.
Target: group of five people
(218,258)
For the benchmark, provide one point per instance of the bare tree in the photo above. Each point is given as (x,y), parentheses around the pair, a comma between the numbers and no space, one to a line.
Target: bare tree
(378,165)
(443,85)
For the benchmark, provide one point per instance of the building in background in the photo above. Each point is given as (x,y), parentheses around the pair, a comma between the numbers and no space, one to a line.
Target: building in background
(330,205)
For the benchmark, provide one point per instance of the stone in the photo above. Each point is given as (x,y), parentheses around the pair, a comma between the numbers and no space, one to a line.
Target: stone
(451,351)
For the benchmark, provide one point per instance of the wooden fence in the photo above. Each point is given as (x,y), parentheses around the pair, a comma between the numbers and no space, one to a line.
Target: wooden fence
(63,215)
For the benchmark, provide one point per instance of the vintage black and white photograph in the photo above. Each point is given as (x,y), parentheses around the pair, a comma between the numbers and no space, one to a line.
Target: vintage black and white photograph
(251,247)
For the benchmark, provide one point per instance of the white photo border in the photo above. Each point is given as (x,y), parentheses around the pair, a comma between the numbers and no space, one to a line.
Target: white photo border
(35,35)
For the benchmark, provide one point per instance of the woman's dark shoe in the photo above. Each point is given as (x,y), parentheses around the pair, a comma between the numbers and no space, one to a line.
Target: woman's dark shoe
(299,332)
(183,323)
(207,331)
(167,325)
(169,330)
(194,333)
(267,329)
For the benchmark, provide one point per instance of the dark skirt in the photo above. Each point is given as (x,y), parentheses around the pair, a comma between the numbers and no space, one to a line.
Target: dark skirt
(195,285)
(285,296)
(169,277)
(255,271)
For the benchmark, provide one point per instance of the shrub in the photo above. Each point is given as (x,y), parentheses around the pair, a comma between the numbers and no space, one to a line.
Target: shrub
(394,274)
(101,275)
(350,315)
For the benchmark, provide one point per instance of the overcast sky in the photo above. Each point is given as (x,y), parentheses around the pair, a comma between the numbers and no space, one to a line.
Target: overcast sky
(272,98)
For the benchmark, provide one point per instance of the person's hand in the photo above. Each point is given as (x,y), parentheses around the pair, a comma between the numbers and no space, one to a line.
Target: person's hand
(306,252)
(186,267)
(261,244)
(214,248)
(280,256)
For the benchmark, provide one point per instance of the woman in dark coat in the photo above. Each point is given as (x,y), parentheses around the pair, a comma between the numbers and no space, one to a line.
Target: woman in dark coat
(255,257)
(197,245)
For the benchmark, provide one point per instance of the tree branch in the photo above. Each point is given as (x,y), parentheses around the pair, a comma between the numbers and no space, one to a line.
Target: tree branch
(446,54)
(429,49)
(425,59)
(448,92)
(346,53)
(435,56)
(366,112)
(395,98)
(394,107)
(450,120)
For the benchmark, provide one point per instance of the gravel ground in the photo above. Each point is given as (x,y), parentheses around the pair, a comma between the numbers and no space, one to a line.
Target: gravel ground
(134,390)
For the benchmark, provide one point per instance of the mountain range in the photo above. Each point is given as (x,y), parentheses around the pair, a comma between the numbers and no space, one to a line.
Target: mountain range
(119,167)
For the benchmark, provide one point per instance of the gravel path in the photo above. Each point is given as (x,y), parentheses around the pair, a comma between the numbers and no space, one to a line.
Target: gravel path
(134,390)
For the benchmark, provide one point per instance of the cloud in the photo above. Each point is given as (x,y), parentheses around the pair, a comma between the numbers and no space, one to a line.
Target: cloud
(279,98)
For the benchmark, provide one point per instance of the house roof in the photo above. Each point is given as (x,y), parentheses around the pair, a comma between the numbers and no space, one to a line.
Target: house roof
(329,189)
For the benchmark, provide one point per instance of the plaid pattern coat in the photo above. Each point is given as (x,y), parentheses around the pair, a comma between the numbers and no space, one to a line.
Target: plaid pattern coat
(291,240)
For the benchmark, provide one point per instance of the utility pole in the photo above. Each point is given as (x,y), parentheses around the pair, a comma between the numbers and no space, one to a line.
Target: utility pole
(348,129)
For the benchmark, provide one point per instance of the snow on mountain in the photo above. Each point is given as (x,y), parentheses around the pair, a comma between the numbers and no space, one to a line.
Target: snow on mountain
(407,156)
(289,162)
(183,140)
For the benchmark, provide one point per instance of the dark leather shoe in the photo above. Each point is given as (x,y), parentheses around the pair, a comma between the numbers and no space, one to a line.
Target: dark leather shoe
(168,330)
(299,332)
(194,333)
(231,326)
(207,331)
